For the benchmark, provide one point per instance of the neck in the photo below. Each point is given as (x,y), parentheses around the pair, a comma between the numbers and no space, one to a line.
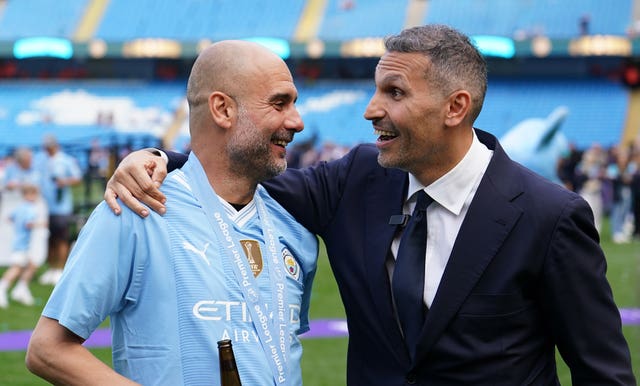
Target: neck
(457,148)
(233,188)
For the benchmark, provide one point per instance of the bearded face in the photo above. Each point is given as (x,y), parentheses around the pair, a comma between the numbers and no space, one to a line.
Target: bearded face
(250,149)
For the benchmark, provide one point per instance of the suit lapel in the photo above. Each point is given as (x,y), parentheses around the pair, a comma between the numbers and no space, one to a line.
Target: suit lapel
(489,220)
(384,198)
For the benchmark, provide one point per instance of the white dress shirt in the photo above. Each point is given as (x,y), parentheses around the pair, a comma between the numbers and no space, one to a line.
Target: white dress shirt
(452,195)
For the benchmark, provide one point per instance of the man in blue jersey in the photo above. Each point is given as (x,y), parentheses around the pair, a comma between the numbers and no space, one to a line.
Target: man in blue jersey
(225,261)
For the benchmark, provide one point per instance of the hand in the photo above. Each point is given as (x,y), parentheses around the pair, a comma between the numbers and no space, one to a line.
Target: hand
(136,180)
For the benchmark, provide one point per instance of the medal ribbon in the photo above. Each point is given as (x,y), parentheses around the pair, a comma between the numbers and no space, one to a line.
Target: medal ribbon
(272,331)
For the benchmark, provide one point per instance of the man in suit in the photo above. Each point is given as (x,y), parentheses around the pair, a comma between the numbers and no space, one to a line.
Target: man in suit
(512,266)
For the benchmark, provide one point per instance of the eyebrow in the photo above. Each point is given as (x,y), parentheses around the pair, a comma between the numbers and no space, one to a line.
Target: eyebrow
(282,96)
(392,78)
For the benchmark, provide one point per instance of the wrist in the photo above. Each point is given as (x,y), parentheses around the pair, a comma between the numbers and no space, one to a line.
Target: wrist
(158,153)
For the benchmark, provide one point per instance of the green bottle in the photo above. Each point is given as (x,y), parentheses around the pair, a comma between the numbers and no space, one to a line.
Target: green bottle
(229,375)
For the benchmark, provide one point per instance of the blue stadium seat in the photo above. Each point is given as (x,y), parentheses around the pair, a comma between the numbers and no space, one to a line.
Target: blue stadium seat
(372,18)
(192,20)
(31,18)
(553,18)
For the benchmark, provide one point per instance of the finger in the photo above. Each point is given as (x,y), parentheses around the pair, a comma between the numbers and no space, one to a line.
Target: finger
(146,190)
(130,201)
(159,174)
(110,198)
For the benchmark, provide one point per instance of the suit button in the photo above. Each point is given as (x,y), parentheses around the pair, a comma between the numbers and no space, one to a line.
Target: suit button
(411,378)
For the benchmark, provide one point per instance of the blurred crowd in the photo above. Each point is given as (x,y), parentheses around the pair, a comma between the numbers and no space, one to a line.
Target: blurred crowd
(308,153)
(36,211)
(609,180)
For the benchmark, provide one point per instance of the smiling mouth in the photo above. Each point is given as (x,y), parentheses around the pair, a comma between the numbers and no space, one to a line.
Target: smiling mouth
(384,135)
(280,142)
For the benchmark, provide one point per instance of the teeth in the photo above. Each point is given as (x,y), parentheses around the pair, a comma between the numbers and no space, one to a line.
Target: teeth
(280,142)
(385,133)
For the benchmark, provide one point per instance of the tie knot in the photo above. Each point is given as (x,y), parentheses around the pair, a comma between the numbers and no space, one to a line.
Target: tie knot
(423,200)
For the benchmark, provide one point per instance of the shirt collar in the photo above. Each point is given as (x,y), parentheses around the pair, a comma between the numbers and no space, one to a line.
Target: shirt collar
(451,190)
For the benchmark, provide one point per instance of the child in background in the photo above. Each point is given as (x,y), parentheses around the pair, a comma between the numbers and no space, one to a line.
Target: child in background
(24,264)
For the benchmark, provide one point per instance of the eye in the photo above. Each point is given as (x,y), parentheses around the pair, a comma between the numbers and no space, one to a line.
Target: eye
(279,105)
(395,92)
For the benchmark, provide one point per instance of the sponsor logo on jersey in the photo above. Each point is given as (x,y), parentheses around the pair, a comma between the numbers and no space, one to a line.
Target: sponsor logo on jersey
(200,252)
(252,250)
(290,264)
(227,310)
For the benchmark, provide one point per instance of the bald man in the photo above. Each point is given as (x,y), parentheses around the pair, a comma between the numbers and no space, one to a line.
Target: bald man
(224,262)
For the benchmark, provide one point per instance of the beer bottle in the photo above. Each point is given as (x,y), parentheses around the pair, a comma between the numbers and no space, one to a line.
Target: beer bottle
(229,375)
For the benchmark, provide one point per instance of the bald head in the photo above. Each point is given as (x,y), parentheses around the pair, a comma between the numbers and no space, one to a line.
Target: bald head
(228,66)
(242,115)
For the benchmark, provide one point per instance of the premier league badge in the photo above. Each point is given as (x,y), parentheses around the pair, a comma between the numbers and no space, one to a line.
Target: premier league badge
(290,264)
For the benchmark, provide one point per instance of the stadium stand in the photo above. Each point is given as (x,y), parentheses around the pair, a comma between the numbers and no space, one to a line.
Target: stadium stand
(118,111)
(332,109)
(192,20)
(133,113)
(374,18)
(552,18)
(34,18)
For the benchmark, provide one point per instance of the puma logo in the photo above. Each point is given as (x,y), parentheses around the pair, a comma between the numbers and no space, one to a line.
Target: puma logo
(190,247)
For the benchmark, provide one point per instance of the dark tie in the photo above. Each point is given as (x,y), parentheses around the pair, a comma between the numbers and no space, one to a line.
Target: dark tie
(408,275)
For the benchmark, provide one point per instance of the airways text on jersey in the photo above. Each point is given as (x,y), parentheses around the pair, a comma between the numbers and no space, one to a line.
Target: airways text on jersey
(237,319)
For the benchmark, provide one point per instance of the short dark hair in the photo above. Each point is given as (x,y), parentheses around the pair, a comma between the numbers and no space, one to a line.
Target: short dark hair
(456,63)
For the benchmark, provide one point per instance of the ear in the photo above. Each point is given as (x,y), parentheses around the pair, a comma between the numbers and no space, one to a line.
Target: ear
(222,109)
(458,107)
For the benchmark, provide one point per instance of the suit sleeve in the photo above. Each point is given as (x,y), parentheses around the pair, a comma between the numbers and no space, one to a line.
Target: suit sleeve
(312,195)
(176,160)
(579,303)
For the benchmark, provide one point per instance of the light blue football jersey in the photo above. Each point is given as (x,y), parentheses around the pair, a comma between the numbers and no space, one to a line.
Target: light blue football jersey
(167,285)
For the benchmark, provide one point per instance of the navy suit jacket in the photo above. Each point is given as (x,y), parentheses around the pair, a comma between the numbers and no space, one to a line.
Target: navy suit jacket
(526,275)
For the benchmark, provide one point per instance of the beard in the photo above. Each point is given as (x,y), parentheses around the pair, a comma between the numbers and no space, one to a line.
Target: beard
(250,152)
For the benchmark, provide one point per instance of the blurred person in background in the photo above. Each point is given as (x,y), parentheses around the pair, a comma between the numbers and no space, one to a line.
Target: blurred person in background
(634,150)
(512,268)
(620,171)
(19,173)
(98,168)
(226,262)
(567,168)
(60,172)
(591,171)
(23,262)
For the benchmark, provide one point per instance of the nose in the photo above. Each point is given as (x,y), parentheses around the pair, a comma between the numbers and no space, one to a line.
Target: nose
(294,120)
(373,110)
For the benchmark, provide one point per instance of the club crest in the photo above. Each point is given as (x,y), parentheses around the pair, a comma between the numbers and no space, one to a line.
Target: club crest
(290,264)
(252,250)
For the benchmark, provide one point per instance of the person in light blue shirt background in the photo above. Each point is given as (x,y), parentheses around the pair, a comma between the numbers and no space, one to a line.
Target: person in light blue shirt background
(60,172)
(20,172)
(24,218)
